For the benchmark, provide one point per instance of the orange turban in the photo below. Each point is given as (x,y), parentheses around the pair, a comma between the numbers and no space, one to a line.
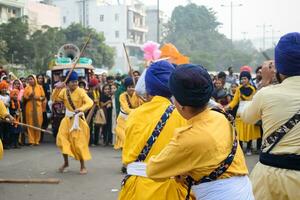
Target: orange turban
(170,51)
(4,85)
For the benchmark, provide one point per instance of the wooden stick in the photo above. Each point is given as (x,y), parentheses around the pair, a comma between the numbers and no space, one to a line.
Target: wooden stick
(90,114)
(28,126)
(129,64)
(31,181)
(77,60)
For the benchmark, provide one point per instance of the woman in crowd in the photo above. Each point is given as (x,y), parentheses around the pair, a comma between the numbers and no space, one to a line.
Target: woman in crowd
(34,96)
(245,92)
(106,104)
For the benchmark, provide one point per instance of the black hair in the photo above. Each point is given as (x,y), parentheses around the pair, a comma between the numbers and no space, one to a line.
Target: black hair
(136,71)
(221,75)
(110,78)
(258,68)
(106,85)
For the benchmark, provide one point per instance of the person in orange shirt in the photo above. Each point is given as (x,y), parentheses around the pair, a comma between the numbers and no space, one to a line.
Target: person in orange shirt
(34,96)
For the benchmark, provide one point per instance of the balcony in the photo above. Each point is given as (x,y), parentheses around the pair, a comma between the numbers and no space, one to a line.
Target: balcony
(134,27)
(134,43)
(13,3)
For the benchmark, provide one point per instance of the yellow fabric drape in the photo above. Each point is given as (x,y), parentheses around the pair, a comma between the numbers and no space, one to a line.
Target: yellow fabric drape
(3,114)
(121,121)
(246,132)
(139,127)
(74,143)
(34,135)
(198,149)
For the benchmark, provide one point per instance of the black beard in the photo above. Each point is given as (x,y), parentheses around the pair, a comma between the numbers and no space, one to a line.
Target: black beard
(278,77)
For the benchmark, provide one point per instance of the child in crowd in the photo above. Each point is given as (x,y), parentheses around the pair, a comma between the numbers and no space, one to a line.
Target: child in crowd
(219,94)
(4,131)
(15,111)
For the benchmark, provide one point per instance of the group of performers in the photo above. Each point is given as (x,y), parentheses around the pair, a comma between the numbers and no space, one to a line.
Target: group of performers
(177,144)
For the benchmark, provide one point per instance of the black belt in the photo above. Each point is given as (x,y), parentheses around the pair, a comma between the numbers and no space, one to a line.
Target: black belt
(286,161)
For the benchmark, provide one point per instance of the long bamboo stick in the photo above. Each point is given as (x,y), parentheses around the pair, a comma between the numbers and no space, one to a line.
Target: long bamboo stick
(129,64)
(77,60)
(28,126)
(31,181)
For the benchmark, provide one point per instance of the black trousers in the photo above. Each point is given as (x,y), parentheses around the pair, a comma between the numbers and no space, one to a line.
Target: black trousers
(5,134)
(94,133)
(249,145)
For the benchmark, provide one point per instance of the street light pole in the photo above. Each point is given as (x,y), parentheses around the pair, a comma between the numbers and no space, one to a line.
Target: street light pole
(231,22)
(231,18)
(264,26)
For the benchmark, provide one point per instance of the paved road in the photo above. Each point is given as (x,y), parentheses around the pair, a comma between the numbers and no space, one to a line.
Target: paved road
(100,183)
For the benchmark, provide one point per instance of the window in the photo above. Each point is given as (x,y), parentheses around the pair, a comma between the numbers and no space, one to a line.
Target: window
(64,19)
(14,11)
(117,34)
(116,17)
(101,18)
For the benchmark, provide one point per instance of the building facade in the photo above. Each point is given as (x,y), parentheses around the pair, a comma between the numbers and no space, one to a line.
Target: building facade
(152,24)
(40,14)
(11,8)
(120,22)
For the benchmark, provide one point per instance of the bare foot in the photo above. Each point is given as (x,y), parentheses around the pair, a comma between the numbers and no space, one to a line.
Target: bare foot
(63,169)
(83,171)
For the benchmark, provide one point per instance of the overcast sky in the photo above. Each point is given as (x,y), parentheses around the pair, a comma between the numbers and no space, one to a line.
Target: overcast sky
(283,15)
(248,19)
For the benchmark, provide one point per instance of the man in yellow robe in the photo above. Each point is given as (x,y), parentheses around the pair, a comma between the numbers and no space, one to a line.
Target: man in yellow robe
(4,115)
(140,128)
(207,148)
(277,174)
(73,134)
(128,102)
(34,96)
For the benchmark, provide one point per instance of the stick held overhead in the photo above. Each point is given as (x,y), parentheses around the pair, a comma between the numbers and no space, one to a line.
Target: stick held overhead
(77,60)
(129,64)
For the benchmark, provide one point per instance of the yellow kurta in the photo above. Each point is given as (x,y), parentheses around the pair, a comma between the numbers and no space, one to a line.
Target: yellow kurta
(74,143)
(246,132)
(34,135)
(275,105)
(198,149)
(3,114)
(139,127)
(121,120)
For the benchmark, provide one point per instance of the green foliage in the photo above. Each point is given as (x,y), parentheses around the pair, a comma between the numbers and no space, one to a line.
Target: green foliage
(193,30)
(15,34)
(38,49)
(3,50)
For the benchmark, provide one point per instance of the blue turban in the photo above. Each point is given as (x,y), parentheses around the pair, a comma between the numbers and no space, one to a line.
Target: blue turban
(245,74)
(157,78)
(73,76)
(287,55)
(191,85)
(128,82)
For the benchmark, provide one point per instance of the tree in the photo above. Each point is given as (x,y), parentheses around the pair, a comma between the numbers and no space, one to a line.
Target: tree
(38,49)
(3,50)
(45,44)
(16,33)
(97,50)
(193,30)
